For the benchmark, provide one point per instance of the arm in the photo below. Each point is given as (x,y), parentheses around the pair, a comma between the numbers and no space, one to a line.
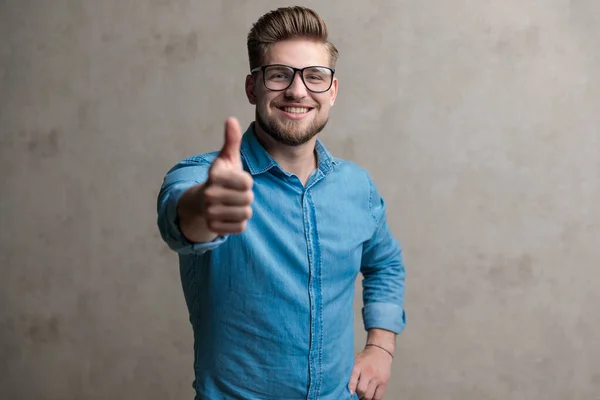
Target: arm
(178,212)
(383,312)
(200,202)
(192,220)
(383,278)
(380,338)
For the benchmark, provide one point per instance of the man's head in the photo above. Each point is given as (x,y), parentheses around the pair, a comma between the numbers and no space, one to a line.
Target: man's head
(292,79)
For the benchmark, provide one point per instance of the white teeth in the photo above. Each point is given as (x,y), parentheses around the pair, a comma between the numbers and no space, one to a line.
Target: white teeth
(295,110)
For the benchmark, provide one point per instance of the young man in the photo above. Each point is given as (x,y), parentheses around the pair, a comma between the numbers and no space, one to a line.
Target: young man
(272,231)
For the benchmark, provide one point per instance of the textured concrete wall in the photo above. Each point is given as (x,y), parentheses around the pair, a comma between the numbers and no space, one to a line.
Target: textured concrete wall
(478,120)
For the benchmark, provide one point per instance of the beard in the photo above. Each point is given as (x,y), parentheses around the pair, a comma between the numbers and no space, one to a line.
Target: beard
(288,133)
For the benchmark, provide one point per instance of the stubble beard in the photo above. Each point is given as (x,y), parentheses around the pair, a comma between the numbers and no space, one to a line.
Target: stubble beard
(288,133)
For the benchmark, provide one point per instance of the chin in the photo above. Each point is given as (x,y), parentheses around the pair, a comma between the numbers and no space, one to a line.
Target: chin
(290,132)
(291,138)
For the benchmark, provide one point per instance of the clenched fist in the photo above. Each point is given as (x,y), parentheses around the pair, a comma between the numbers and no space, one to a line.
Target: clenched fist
(227,195)
(222,205)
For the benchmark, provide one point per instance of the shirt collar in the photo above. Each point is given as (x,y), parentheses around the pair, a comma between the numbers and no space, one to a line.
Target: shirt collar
(259,160)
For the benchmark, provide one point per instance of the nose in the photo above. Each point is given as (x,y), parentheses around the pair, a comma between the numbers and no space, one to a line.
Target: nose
(297,90)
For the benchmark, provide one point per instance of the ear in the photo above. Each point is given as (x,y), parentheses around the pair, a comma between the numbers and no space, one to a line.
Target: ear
(333,92)
(250,88)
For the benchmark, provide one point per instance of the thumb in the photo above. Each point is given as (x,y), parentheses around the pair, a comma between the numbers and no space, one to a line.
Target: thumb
(233,141)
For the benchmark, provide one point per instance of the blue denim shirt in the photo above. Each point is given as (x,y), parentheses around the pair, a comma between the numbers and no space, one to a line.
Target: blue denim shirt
(272,308)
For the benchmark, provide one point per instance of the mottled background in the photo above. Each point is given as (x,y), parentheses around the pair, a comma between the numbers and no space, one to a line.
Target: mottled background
(478,120)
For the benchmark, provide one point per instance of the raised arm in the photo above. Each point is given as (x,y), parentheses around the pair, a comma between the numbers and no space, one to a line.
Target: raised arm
(200,203)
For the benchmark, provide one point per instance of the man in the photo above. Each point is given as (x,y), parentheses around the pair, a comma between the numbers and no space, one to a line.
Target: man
(272,231)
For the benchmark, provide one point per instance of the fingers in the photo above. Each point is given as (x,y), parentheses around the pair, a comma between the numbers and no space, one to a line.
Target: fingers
(365,389)
(227,199)
(228,214)
(226,228)
(222,175)
(233,141)
(370,375)
(220,195)
(379,392)
(354,380)
(227,195)
(227,211)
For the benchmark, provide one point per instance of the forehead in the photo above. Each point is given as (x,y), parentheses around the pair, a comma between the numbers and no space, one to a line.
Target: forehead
(297,53)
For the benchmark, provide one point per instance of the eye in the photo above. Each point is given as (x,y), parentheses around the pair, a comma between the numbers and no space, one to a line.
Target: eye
(277,74)
(314,77)
(317,74)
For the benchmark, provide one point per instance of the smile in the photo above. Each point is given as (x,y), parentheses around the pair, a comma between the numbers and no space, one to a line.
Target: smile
(295,110)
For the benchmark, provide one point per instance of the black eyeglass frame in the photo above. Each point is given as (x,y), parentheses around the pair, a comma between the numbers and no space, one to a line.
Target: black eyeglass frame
(301,70)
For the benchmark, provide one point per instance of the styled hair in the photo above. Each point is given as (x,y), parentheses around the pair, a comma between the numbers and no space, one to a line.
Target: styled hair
(287,23)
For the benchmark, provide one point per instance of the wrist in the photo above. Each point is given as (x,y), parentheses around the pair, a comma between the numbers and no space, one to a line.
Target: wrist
(190,216)
(381,348)
(382,338)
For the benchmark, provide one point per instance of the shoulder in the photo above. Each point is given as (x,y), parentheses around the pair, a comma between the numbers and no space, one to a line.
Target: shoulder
(359,178)
(351,170)
(192,169)
(197,160)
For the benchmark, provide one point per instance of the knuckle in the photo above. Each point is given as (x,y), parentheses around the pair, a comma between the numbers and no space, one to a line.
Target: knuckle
(244,181)
(249,181)
(241,181)
(211,194)
(235,228)
(211,213)
(211,225)
(215,172)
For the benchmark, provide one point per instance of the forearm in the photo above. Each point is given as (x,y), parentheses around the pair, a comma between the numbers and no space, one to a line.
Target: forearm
(383,296)
(383,284)
(192,222)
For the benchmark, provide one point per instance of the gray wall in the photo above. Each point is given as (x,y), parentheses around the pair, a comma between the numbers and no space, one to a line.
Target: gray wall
(478,120)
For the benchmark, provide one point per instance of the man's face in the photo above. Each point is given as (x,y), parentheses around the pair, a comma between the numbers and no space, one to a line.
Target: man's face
(295,115)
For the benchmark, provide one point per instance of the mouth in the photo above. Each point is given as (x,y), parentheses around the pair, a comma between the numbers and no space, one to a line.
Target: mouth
(295,112)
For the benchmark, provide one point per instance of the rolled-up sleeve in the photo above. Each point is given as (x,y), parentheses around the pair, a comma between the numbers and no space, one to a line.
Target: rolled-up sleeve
(187,173)
(383,273)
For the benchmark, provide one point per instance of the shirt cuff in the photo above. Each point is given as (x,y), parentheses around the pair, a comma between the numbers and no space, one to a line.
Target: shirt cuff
(173,235)
(388,316)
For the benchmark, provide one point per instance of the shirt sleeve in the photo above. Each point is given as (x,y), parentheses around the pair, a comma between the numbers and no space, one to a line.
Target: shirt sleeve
(383,273)
(181,177)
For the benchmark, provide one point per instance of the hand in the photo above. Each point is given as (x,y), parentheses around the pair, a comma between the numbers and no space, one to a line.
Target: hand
(371,373)
(227,195)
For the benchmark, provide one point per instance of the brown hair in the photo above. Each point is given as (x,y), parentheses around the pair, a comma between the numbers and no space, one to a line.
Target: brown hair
(287,23)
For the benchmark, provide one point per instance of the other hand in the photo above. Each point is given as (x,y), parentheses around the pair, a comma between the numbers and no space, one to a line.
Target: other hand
(371,373)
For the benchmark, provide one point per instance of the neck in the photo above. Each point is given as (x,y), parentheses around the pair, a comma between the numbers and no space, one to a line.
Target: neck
(298,160)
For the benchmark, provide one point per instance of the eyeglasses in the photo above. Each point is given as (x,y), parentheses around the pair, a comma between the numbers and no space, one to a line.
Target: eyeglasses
(279,77)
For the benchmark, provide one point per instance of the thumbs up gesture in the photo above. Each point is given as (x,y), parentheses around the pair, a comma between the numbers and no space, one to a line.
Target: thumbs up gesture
(227,196)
